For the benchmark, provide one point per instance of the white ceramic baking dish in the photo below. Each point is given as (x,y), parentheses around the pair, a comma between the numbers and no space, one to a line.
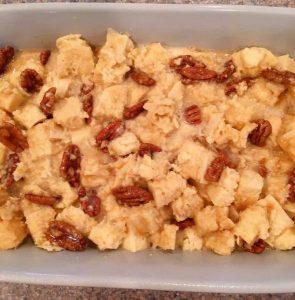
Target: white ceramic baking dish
(219,27)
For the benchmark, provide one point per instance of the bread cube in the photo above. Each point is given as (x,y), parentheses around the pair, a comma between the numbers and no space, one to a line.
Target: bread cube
(250,187)
(108,235)
(113,58)
(221,242)
(212,219)
(12,233)
(29,115)
(193,160)
(278,218)
(151,168)
(187,205)
(152,58)
(134,242)
(250,61)
(285,62)
(266,92)
(191,241)
(111,102)
(222,193)
(144,220)
(75,57)
(39,146)
(10,97)
(253,224)
(166,239)
(286,240)
(69,113)
(167,189)
(124,145)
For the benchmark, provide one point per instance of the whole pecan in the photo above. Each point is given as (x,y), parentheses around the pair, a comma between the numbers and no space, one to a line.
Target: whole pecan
(87,103)
(229,69)
(90,202)
(192,115)
(258,247)
(131,195)
(189,222)
(44,57)
(66,236)
(216,167)
(197,73)
(86,88)
(141,77)
(13,138)
(282,77)
(134,110)
(148,149)
(182,61)
(111,131)
(6,55)
(231,86)
(71,164)
(47,103)
(41,199)
(259,134)
(12,162)
(30,81)
(262,170)
(291,182)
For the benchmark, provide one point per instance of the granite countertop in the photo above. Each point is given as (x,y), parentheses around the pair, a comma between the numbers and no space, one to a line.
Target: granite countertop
(10,291)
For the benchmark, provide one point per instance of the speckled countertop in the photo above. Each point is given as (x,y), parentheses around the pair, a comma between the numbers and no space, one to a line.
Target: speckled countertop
(9,291)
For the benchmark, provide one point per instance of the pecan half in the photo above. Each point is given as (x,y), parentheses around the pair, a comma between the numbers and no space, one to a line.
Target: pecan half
(44,57)
(71,164)
(87,104)
(148,149)
(30,81)
(197,73)
(13,138)
(66,236)
(6,56)
(12,162)
(231,86)
(216,167)
(259,134)
(291,182)
(111,131)
(41,199)
(47,103)
(282,77)
(229,69)
(86,89)
(182,61)
(131,195)
(192,115)
(134,110)
(189,222)
(90,202)
(262,170)
(258,247)
(141,77)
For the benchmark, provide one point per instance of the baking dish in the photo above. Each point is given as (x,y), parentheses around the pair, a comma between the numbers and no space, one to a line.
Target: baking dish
(218,27)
